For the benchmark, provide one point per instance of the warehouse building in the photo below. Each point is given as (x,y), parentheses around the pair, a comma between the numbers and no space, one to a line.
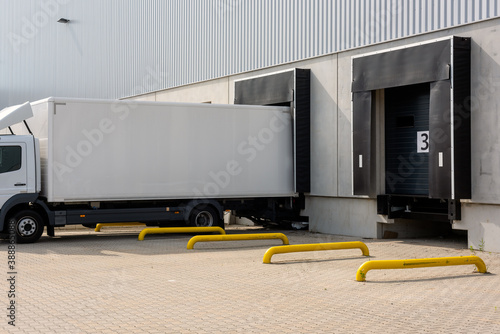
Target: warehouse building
(403,95)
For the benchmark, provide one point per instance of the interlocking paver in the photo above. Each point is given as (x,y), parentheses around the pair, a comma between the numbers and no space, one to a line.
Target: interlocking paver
(108,282)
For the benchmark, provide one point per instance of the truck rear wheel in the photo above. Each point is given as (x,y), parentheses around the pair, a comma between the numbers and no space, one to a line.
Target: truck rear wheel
(28,226)
(202,216)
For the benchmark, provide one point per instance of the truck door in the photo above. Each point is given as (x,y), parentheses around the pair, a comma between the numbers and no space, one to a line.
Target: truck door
(13,170)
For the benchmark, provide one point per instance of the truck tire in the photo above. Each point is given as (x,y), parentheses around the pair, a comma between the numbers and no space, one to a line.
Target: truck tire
(203,216)
(28,226)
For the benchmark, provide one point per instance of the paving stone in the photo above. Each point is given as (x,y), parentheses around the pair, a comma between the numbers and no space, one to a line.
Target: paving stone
(109,282)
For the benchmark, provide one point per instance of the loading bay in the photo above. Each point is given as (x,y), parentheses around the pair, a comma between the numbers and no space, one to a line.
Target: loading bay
(83,281)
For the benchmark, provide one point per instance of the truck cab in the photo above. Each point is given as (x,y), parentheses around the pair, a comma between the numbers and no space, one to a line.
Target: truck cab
(19,176)
(17,167)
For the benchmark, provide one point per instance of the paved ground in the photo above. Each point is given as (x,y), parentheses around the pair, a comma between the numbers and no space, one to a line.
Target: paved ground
(108,282)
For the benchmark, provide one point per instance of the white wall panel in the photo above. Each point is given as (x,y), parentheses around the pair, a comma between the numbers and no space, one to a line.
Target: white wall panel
(118,48)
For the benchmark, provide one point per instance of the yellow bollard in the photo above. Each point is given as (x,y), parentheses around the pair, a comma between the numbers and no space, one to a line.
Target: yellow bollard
(314,247)
(101,225)
(419,263)
(162,230)
(233,237)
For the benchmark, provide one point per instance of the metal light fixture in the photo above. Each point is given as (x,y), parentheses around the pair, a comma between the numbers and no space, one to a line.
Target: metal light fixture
(63,20)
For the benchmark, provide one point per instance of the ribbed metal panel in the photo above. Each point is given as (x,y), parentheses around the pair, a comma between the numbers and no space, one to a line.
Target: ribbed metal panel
(118,48)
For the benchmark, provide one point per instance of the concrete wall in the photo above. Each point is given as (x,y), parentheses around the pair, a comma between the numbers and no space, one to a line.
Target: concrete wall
(483,226)
(331,206)
(346,216)
(212,91)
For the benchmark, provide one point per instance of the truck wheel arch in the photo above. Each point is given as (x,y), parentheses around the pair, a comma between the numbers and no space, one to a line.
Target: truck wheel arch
(12,205)
(200,204)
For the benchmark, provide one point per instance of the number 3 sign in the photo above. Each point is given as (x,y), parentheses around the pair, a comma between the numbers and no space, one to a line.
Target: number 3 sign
(422,141)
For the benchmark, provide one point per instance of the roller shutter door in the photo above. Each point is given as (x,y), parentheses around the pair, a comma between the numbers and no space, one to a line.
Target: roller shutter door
(407,139)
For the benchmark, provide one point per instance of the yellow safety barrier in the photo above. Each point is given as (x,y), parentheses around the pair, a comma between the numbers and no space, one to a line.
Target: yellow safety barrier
(233,237)
(314,247)
(419,263)
(162,230)
(101,225)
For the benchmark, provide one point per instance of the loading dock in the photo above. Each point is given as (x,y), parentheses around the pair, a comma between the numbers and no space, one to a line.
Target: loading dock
(426,159)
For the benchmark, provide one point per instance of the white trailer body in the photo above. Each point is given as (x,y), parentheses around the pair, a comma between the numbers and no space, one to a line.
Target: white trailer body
(67,161)
(107,150)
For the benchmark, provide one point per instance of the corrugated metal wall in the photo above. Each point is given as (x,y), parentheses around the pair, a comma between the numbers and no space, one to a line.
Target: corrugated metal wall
(118,48)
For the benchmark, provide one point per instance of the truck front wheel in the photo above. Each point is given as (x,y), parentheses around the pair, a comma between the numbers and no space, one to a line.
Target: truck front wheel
(28,226)
(204,216)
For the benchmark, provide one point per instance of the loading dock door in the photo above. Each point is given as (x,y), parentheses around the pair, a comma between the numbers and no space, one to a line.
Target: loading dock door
(407,140)
(444,67)
(288,88)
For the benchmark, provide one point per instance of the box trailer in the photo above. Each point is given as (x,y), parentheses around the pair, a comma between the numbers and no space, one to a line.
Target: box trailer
(80,161)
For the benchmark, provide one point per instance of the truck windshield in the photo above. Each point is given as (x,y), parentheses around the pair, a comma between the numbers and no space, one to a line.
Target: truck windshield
(10,158)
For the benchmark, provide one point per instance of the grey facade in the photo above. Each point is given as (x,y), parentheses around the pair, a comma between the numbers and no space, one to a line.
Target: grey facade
(113,49)
(144,51)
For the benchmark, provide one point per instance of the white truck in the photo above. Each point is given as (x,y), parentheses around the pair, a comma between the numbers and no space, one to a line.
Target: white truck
(70,161)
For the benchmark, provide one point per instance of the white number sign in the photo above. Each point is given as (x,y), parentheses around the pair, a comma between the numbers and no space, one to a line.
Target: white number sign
(422,141)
